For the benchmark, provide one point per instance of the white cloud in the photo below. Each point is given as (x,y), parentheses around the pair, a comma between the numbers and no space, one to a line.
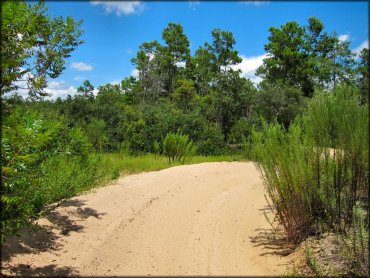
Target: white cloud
(135,73)
(54,88)
(129,51)
(115,82)
(19,36)
(180,64)
(81,66)
(254,3)
(95,92)
(79,78)
(193,5)
(120,8)
(59,89)
(343,37)
(249,65)
(357,50)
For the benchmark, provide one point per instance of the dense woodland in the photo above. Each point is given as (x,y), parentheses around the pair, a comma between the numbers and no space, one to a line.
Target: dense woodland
(313,96)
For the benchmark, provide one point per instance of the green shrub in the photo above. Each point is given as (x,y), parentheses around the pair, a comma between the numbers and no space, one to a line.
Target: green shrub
(157,149)
(211,140)
(178,147)
(360,240)
(317,169)
(241,130)
(32,141)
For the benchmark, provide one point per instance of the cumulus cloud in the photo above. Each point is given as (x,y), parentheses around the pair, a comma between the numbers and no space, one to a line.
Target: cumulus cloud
(343,37)
(115,82)
(180,64)
(193,5)
(54,88)
(59,89)
(120,8)
(254,3)
(135,73)
(79,78)
(95,92)
(358,49)
(249,65)
(81,66)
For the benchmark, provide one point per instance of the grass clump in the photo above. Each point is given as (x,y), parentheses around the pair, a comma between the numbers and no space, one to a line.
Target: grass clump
(178,147)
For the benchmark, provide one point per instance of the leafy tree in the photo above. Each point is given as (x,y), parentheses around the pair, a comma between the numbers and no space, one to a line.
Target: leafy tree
(148,65)
(363,75)
(286,62)
(202,72)
(222,50)
(34,46)
(110,107)
(241,130)
(233,99)
(95,133)
(130,88)
(184,94)
(305,57)
(281,104)
(87,90)
(176,52)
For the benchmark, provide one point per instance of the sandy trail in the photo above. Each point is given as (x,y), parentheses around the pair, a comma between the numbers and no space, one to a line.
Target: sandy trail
(204,219)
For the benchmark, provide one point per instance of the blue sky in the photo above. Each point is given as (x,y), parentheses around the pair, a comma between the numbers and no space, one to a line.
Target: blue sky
(113,31)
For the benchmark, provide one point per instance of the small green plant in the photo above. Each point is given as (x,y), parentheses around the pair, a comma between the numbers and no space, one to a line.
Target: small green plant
(312,262)
(157,149)
(115,174)
(178,147)
(360,240)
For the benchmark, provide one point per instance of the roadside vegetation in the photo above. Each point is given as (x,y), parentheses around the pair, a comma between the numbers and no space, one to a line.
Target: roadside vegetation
(305,125)
(317,174)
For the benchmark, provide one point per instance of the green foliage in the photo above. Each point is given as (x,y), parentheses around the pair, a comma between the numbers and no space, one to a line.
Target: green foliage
(157,149)
(363,75)
(136,136)
(178,147)
(184,94)
(317,169)
(241,129)
(95,132)
(281,104)
(360,240)
(312,262)
(34,46)
(29,141)
(223,54)
(211,140)
(87,90)
(306,57)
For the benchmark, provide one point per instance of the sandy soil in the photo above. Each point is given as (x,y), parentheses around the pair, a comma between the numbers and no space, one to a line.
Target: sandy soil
(204,219)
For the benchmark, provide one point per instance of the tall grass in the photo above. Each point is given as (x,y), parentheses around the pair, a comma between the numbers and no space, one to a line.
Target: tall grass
(318,169)
(149,162)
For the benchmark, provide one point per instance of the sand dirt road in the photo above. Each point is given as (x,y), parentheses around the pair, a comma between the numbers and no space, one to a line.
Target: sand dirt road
(203,219)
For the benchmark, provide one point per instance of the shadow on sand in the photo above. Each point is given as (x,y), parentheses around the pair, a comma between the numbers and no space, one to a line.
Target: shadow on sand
(38,239)
(273,241)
